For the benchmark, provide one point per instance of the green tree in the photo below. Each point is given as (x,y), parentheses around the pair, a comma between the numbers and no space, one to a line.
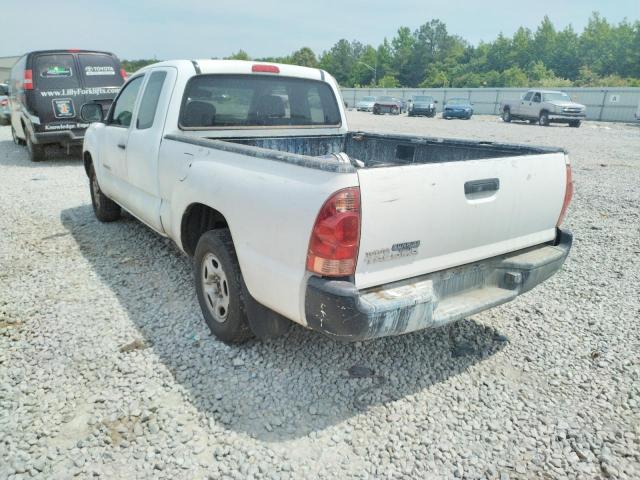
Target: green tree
(304,57)
(239,55)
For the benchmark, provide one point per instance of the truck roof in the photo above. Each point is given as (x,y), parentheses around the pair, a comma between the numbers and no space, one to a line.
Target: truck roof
(542,90)
(208,66)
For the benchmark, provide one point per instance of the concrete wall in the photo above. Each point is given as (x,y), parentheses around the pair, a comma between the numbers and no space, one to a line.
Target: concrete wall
(604,104)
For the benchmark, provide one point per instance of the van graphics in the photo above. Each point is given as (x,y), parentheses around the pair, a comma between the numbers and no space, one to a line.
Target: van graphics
(92,71)
(65,126)
(56,71)
(63,108)
(71,92)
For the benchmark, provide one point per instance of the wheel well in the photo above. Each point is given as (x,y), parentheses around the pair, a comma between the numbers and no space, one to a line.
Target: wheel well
(87,162)
(198,219)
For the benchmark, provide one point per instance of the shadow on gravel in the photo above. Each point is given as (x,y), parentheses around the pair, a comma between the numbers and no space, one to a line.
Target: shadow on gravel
(17,156)
(274,391)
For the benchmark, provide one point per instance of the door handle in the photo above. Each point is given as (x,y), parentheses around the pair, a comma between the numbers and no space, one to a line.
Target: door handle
(482,186)
(122,146)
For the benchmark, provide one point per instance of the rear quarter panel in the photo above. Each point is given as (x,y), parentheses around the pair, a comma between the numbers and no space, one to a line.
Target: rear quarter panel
(270,207)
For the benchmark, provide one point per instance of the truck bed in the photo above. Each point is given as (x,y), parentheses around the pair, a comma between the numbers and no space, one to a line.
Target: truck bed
(438,203)
(370,150)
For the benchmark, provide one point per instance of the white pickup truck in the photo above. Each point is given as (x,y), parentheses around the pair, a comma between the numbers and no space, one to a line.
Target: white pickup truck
(250,168)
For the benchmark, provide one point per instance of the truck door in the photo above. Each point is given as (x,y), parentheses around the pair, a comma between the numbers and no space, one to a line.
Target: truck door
(521,108)
(143,145)
(533,107)
(117,129)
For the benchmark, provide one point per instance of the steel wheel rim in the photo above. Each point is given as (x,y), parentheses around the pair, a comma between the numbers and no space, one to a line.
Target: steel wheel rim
(215,287)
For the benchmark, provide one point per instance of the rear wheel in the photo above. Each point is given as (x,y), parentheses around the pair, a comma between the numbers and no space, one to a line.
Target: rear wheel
(219,287)
(105,209)
(575,123)
(506,115)
(395,111)
(543,119)
(36,151)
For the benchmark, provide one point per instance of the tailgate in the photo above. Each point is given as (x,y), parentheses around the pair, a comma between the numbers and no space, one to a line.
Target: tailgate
(418,219)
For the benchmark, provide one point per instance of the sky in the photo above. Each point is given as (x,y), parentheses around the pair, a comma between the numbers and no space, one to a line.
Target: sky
(165,29)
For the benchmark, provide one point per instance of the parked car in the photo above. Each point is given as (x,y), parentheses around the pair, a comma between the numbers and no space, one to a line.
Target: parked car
(48,88)
(344,238)
(386,105)
(637,114)
(422,105)
(5,115)
(544,107)
(366,104)
(457,108)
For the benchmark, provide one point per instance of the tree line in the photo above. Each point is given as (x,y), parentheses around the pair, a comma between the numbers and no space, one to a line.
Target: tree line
(603,54)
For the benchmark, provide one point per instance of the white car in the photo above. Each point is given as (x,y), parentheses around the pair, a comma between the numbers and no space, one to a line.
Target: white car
(289,216)
(365,104)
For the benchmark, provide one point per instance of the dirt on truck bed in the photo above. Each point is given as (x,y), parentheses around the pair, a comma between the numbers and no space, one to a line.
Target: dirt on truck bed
(107,368)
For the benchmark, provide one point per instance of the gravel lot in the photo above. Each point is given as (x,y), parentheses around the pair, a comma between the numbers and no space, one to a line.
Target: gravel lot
(107,369)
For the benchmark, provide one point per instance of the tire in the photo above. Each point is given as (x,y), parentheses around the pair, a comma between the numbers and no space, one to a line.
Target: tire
(543,119)
(506,115)
(395,111)
(14,135)
(575,123)
(105,209)
(220,288)
(36,152)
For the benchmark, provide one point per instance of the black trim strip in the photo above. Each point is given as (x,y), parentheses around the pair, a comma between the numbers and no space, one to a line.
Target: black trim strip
(196,66)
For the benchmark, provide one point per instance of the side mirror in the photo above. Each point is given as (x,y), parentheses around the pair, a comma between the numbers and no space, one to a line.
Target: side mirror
(91,112)
(435,101)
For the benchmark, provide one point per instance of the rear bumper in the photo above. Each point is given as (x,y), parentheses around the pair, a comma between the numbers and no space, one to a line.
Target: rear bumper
(340,310)
(65,137)
(456,114)
(422,111)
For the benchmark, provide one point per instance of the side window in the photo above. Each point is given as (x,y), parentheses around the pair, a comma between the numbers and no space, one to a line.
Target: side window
(536,97)
(149,102)
(122,110)
(527,97)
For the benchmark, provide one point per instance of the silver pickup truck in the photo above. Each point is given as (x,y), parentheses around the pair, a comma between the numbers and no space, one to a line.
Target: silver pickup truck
(544,107)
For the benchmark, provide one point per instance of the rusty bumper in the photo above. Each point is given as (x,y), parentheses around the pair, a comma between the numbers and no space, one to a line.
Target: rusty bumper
(338,309)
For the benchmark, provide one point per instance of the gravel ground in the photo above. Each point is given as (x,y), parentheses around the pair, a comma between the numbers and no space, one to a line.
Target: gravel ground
(107,369)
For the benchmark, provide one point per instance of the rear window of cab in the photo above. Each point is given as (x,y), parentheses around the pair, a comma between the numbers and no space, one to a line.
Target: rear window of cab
(228,101)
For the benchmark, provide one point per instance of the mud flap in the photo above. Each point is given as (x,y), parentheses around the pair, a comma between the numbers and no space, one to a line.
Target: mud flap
(264,322)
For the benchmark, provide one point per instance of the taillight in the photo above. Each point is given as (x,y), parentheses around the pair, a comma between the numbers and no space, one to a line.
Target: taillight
(265,69)
(123,73)
(333,247)
(28,80)
(568,195)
